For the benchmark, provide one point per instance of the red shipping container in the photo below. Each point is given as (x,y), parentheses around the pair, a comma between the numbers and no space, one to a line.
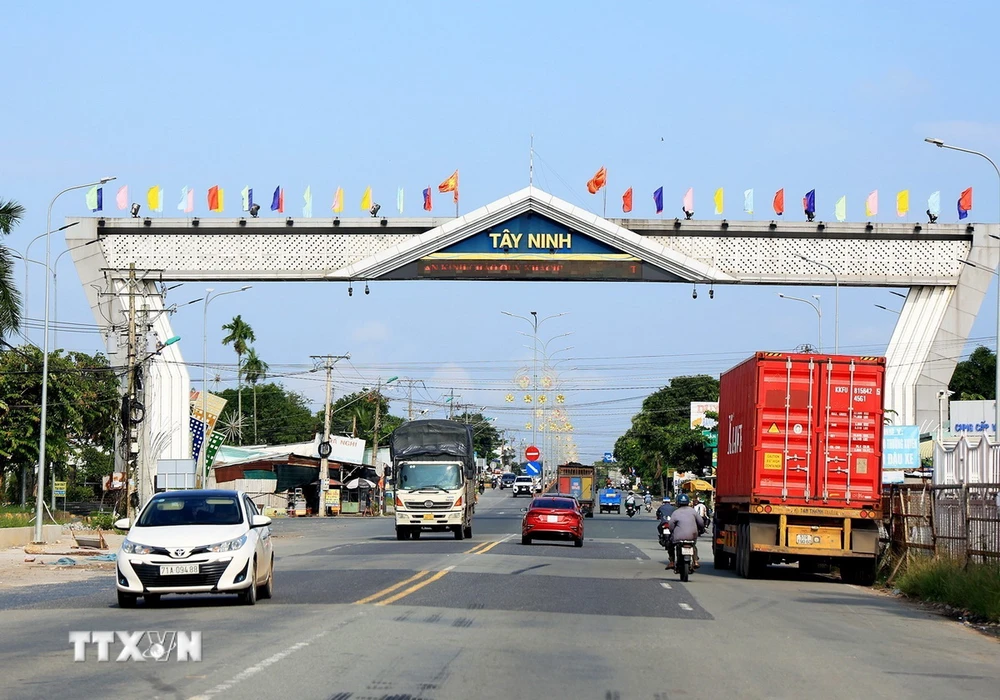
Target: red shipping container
(801,430)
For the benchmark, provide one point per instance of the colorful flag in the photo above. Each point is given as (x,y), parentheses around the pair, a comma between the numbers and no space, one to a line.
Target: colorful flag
(338,200)
(902,202)
(871,204)
(627,201)
(658,199)
(965,203)
(213,198)
(427,199)
(748,201)
(399,200)
(366,199)
(934,203)
(840,209)
(307,207)
(186,204)
(779,202)
(718,201)
(154,198)
(246,194)
(95,199)
(450,185)
(688,202)
(809,202)
(121,199)
(599,180)
(278,200)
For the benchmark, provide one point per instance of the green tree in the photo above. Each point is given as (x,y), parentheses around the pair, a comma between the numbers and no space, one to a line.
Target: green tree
(354,414)
(282,416)
(11,214)
(975,378)
(239,334)
(485,437)
(256,370)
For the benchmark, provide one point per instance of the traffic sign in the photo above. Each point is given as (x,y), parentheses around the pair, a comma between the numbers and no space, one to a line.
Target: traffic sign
(608,458)
(532,454)
(533,468)
(325,449)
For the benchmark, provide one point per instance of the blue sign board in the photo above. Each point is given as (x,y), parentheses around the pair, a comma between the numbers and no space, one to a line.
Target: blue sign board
(900,451)
(533,468)
(530,234)
(608,457)
(576,486)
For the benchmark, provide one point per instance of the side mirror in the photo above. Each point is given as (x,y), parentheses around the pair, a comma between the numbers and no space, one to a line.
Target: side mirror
(260,521)
(524,510)
(122,524)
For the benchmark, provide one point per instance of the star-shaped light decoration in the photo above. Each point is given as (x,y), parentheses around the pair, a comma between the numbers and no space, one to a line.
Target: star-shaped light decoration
(560,398)
(527,398)
(543,398)
(509,398)
(527,426)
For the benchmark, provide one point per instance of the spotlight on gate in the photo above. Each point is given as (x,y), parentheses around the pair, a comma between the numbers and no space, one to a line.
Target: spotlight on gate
(254,210)
(350,290)
(931,218)
(687,214)
(374,210)
(135,210)
(711,292)
(694,292)
(366,288)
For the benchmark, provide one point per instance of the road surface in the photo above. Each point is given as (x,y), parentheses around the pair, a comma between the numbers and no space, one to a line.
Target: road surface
(358,614)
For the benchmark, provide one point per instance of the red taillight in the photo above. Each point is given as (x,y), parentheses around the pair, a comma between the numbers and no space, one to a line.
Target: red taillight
(767,509)
(864,514)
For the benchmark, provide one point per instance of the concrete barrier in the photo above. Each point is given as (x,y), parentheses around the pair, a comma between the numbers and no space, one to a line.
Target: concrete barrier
(20,536)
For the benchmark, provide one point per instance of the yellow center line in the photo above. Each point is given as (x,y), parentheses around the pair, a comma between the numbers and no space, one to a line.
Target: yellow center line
(414,588)
(473,550)
(488,547)
(390,589)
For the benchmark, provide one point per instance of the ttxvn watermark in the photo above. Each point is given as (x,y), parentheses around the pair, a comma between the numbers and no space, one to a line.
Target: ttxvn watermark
(148,645)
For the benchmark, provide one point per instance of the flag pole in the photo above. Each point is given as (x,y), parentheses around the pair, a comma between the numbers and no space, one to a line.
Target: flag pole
(605,214)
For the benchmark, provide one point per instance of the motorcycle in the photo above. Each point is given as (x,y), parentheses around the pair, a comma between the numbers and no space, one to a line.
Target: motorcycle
(684,558)
(631,509)
(663,532)
(649,507)
(482,488)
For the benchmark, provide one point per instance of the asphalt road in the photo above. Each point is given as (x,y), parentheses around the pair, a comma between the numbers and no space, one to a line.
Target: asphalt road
(359,615)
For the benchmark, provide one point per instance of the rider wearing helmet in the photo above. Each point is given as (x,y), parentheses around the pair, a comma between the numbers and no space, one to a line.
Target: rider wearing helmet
(665,511)
(685,524)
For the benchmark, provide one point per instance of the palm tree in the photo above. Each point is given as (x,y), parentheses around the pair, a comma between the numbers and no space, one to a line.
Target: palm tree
(240,333)
(256,370)
(10,299)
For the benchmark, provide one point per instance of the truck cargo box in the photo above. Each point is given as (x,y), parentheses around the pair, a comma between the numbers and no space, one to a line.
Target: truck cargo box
(801,430)
(579,481)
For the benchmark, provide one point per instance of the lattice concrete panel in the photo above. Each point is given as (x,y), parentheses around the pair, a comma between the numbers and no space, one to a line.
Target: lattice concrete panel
(298,255)
(921,261)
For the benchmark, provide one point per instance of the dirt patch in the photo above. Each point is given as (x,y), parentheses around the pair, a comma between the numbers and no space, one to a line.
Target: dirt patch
(15,571)
(963,617)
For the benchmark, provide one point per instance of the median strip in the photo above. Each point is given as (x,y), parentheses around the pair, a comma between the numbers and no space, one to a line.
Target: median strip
(390,589)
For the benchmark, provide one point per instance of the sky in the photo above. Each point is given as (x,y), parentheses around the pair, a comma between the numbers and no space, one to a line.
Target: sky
(832,96)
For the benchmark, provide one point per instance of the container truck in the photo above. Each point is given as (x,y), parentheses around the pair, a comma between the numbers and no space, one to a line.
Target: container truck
(579,481)
(800,464)
(435,473)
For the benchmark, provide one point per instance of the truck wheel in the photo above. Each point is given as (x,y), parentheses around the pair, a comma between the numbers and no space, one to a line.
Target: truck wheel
(721,560)
(401,534)
(589,514)
(865,572)
(459,533)
(468,532)
(415,534)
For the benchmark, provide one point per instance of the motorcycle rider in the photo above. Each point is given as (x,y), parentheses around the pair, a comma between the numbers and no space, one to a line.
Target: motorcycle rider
(630,501)
(665,510)
(648,501)
(701,508)
(685,524)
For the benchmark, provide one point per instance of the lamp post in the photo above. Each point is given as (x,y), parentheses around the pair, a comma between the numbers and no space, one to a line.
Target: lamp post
(941,144)
(43,424)
(886,308)
(836,300)
(202,456)
(27,249)
(817,308)
(55,288)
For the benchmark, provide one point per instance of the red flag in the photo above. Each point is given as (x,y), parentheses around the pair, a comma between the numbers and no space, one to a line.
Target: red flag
(599,180)
(450,185)
(627,201)
(427,199)
(779,202)
(213,198)
(965,201)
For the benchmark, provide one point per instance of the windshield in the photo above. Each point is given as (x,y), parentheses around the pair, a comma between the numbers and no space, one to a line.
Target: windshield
(554,503)
(191,509)
(429,475)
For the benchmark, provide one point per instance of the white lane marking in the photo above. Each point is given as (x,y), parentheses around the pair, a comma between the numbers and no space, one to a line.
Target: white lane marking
(666,585)
(685,606)
(638,558)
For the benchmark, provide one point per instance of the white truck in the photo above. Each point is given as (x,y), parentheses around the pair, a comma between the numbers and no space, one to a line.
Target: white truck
(435,478)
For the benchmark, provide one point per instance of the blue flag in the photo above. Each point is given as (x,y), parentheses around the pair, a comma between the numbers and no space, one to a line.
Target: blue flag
(278,200)
(962,213)
(658,200)
(809,202)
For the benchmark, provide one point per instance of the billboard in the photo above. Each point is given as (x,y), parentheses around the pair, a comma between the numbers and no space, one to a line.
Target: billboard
(698,410)
(972,417)
(900,452)
(346,449)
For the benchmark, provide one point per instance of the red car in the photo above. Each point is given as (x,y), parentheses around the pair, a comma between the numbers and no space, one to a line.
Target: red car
(552,518)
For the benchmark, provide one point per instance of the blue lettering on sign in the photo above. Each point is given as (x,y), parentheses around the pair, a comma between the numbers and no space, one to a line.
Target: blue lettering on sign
(530,233)
(981,427)
(900,448)
(576,486)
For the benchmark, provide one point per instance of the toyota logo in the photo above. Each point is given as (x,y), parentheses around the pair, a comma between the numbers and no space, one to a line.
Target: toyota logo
(428,504)
(180,553)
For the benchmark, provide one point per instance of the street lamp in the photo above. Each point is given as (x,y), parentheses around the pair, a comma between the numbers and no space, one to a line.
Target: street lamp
(886,308)
(836,300)
(816,307)
(941,144)
(55,288)
(27,249)
(43,424)
(202,458)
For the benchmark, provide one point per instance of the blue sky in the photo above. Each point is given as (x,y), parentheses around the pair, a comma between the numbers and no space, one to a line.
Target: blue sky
(832,96)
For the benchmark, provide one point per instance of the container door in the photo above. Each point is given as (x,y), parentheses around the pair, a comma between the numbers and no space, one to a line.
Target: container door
(849,462)
(787,429)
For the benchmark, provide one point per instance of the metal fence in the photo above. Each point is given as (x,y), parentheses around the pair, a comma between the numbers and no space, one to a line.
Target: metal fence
(958,521)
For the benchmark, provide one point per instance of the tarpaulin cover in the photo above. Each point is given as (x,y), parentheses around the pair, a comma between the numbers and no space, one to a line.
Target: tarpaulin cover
(422,438)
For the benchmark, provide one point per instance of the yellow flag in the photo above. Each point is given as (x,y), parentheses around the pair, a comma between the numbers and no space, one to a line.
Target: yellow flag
(718,201)
(366,199)
(338,201)
(154,198)
(222,203)
(902,203)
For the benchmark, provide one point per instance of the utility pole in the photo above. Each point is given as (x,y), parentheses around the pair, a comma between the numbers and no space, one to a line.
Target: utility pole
(451,405)
(409,395)
(129,392)
(324,452)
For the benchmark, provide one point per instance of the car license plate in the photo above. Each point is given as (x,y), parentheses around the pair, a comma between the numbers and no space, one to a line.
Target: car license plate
(803,539)
(178,569)
(552,518)
(687,551)
(428,516)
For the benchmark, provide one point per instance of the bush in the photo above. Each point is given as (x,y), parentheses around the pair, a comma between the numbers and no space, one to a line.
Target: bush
(76,494)
(975,588)
(102,521)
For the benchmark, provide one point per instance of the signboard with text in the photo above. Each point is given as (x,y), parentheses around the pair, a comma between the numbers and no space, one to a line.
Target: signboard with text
(900,452)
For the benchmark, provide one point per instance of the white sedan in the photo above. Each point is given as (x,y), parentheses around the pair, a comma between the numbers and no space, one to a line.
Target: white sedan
(196,542)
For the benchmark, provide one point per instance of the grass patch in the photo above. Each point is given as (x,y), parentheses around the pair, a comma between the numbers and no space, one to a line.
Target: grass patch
(975,588)
(18,518)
